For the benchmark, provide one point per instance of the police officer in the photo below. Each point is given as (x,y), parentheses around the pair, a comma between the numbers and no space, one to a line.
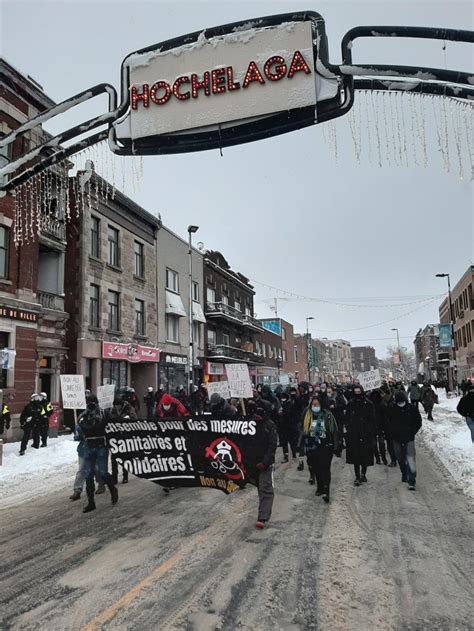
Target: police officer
(5,419)
(31,420)
(44,428)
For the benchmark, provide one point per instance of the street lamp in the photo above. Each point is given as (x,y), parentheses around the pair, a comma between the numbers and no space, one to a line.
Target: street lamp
(308,346)
(399,353)
(451,318)
(191,230)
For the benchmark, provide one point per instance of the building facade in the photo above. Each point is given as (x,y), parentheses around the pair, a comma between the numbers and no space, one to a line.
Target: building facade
(173,310)
(111,290)
(429,358)
(363,359)
(270,346)
(32,316)
(231,329)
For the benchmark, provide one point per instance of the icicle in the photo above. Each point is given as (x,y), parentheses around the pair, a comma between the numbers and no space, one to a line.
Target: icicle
(377,127)
(355,139)
(368,126)
(414,135)
(446,134)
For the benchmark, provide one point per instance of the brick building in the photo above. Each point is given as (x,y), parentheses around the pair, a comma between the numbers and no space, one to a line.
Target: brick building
(270,347)
(229,309)
(428,354)
(32,316)
(363,358)
(111,290)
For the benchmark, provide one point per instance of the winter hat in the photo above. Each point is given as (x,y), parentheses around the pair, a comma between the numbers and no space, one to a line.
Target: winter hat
(216,399)
(399,396)
(166,400)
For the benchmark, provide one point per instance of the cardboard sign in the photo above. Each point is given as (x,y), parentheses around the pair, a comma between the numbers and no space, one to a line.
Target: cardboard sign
(218,387)
(105,396)
(370,380)
(72,390)
(197,452)
(239,381)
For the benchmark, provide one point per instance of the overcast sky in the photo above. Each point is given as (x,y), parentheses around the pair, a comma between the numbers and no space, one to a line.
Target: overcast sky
(283,211)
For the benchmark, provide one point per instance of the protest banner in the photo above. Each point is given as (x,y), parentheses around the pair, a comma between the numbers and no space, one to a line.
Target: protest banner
(72,390)
(370,380)
(105,396)
(239,381)
(197,452)
(218,387)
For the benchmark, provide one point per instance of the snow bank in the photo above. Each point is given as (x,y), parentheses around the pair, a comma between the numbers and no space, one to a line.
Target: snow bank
(38,472)
(449,439)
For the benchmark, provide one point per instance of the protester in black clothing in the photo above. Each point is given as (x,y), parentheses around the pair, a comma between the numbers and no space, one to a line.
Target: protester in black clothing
(266,441)
(289,425)
(121,412)
(361,430)
(220,408)
(159,393)
(405,422)
(198,401)
(31,421)
(149,399)
(380,418)
(338,411)
(466,408)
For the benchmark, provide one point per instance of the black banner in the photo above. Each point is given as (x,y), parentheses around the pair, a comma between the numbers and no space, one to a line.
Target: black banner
(198,451)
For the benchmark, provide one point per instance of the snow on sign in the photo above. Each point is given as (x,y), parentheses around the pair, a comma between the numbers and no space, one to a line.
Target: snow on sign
(370,380)
(72,390)
(227,85)
(239,381)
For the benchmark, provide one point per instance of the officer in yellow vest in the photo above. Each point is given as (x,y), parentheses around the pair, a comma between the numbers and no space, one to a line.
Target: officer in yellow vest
(5,419)
(44,428)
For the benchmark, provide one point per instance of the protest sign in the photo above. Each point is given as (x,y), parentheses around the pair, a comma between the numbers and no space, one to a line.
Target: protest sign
(105,396)
(218,387)
(197,452)
(72,389)
(239,381)
(370,380)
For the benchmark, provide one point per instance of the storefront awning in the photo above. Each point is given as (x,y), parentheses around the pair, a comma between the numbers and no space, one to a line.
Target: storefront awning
(174,304)
(198,313)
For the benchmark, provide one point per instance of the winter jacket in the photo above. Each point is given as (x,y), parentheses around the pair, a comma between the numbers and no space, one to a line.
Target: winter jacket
(428,397)
(405,422)
(330,435)
(92,423)
(149,399)
(414,392)
(220,408)
(361,430)
(5,419)
(33,414)
(123,413)
(268,395)
(266,442)
(176,410)
(466,405)
(290,415)
(380,411)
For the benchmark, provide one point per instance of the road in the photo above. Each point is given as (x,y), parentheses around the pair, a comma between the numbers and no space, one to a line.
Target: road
(378,557)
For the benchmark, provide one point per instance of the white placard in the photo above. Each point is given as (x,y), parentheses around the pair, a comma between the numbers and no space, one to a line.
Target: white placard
(72,390)
(105,396)
(239,381)
(214,368)
(218,387)
(285,379)
(370,380)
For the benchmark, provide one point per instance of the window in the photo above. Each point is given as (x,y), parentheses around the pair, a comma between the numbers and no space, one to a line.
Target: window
(196,335)
(94,305)
(210,295)
(248,311)
(114,310)
(139,260)
(172,328)
(172,280)
(296,354)
(88,374)
(114,252)
(95,237)
(285,357)
(238,306)
(195,291)
(139,317)
(211,337)
(225,299)
(264,349)
(225,339)
(5,154)
(4,344)
(4,234)
(283,333)
(114,372)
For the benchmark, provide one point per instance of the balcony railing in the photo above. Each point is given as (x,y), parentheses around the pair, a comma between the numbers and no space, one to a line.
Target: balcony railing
(222,309)
(237,354)
(51,301)
(53,226)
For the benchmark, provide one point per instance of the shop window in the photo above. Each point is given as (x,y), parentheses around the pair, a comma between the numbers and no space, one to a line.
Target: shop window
(4,234)
(139,317)
(195,291)
(172,328)
(114,247)
(139,260)
(94,305)
(172,280)
(114,310)
(4,341)
(95,237)
(114,372)
(211,337)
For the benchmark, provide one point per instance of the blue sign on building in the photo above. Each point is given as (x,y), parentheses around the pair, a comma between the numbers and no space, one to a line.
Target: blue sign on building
(272,325)
(445,335)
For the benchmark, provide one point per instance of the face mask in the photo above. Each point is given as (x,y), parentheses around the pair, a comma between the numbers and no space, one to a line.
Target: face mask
(166,407)
(401,404)
(357,395)
(316,409)
(323,388)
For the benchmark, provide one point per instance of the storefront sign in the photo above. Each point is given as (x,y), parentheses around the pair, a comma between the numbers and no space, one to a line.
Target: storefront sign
(174,360)
(132,353)
(18,314)
(272,325)
(445,335)
(198,452)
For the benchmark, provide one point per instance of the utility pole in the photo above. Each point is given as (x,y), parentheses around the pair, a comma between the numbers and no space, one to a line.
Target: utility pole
(308,347)
(453,342)
(191,230)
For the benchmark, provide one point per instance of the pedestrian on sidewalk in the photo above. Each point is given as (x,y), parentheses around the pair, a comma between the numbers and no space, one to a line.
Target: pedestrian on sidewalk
(31,420)
(321,442)
(92,424)
(405,422)
(266,442)
(361,430)
(428,398)
(466,408)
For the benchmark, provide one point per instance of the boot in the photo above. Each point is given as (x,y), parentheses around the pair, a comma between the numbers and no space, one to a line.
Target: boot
(285,458)
(100,489)
(75,496)
(90,506)
(384,460)
(300,466)
(326,498)
(113,494)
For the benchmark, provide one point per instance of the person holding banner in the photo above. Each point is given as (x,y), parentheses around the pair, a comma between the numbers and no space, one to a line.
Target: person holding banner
(320,442)
(361,430)
(266,442)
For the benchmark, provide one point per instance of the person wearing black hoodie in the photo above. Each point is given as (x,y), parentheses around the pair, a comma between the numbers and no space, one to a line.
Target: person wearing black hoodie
(289,427)
(361,430)
(466,408)
(266,442)
(405,422)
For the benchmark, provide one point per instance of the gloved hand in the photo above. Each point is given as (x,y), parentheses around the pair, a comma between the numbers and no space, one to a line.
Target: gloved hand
(260,466)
